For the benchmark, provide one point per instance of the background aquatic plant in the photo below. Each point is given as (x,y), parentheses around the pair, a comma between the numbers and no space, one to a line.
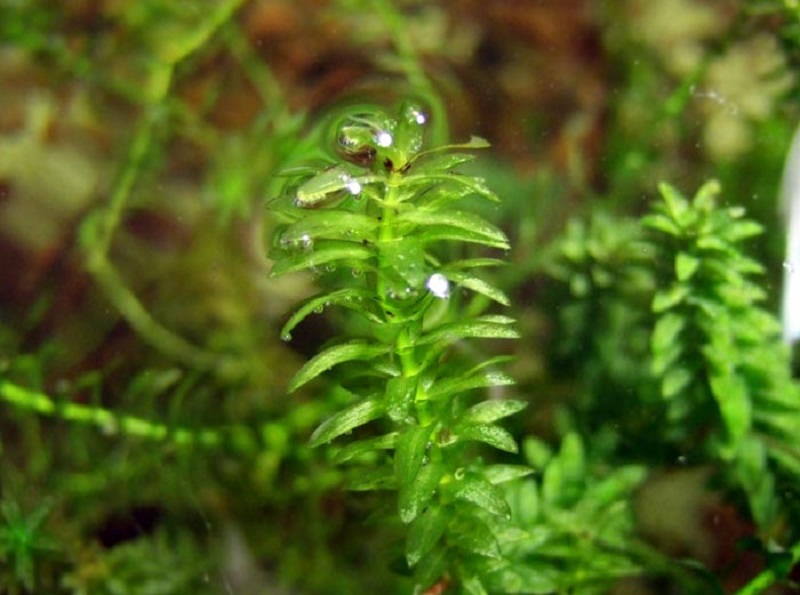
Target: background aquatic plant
(142,376)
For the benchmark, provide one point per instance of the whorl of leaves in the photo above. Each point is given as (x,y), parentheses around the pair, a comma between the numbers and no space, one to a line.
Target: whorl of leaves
(386,209)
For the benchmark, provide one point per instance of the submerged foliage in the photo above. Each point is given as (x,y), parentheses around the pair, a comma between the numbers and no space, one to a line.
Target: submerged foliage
(383,210)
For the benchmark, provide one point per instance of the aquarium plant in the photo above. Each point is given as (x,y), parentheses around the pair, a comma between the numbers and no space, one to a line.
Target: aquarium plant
(385,217)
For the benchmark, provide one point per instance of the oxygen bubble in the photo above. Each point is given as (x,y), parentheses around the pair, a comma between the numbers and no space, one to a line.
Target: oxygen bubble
(438,285)
(286,337)
(357,272)
(459,473)
(307,241)
(319,309)
(353,186)
(384,139)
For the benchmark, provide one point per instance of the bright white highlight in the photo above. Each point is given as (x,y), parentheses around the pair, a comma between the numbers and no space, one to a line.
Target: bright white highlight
(790,207)
(384,139)
(353,186)
(438,285)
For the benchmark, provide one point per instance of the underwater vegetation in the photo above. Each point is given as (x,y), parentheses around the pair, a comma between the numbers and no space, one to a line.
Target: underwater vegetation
(399,296)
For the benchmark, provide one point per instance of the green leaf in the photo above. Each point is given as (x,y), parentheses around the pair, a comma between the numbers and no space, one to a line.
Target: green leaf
(449,386)
(496,474)
(476,328)
(350,297)
(415,496)
(730,392)
(473,535)
(480,286)
(443,162)
(410,453)
(474,184)
(446,233)
(664,300)
(359,448)
(323,253)
(346,420)
(470,583)
(425,532)
(535,577)
(481,493)
(492,410)
(676,204)
(431,568)
(473,224)
(328,223)
(662,223)
(667,331)
(474,142)
(675,380)
(400,393)
(685,266)
(472,263)
(371,479)
(492,435)
(338,354)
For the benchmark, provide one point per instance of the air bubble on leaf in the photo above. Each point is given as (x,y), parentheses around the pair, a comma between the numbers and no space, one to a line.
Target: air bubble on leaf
(419,116)
(330,267)
(425,461)
(357,272)
(286,337)
(307,241)
(319,309)
(353,186)
(383,139)
(459,473)
(438,285)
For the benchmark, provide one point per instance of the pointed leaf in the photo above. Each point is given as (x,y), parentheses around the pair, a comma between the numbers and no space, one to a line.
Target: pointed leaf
(675,380)
(476,328)
(410,453)
(685,266)
(415,496)
(323,253)
(480,286)
(328,223)
(496,474)
(473,184)
(492,435)
(449,386)
(447,233)
(664,300)
(325,360)
(430,569)
(351,297)
(475,536)
(463,220)
(346,420)
(443,161)
(369,479)
(492,410)
(362,447)
(481,493)
(667,331)
(424,533)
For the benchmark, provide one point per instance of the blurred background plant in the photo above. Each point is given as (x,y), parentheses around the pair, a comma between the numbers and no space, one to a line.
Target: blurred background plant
(147,443)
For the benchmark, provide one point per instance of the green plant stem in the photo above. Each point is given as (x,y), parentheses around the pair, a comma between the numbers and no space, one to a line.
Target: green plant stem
(105,419)
(98,262)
